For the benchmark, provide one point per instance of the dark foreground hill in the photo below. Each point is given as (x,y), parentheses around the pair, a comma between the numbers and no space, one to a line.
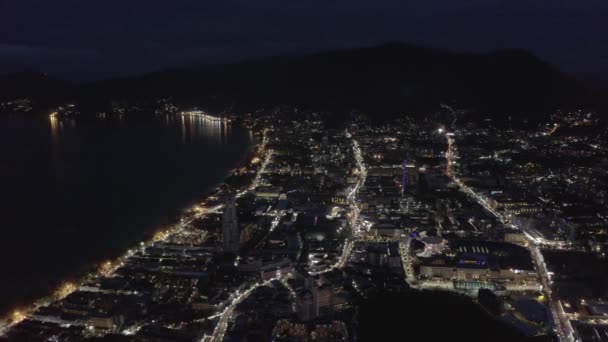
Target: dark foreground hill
(432,316)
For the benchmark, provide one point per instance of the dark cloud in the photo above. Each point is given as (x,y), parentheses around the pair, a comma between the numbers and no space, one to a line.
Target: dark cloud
(98,38)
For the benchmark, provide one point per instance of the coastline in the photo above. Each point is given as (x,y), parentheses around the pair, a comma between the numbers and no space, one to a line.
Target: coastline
(192,211)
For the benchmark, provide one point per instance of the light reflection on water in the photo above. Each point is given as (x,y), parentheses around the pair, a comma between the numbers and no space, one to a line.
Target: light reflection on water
(95,185)
(195,127)
(57,125)
(192,129)
(54,128)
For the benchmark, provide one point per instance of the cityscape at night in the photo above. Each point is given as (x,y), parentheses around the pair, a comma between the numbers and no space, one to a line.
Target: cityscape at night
(304,186)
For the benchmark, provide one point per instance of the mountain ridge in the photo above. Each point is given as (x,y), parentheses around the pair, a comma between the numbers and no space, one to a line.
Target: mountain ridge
(388,79)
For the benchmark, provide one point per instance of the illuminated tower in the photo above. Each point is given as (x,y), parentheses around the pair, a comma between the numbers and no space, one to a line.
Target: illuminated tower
(230,226)
(409,177)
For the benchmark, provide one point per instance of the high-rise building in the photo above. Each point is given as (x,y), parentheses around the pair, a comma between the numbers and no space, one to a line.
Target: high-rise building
(410,176)
(230,226)
(306,307)
(317,300)
(323,298)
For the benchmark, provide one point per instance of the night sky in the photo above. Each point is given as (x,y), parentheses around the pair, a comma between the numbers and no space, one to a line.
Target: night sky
(89,39)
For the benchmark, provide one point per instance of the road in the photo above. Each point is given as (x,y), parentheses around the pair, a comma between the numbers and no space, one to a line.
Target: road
(258,177)
(226,314)
(237,297)
(273,225)
(110,267)
(563,328)
(355,219)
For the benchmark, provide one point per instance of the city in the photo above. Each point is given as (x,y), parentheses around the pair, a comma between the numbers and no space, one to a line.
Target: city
(315,171)
(319,219)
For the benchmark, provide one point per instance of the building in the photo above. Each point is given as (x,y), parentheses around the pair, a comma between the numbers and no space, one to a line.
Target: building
(480,261)
(410,176)
(306,307)
(386,229)
(472,287)
(515,237)
(275,269)
(230,226)
(247,233)
(514,205)
(323,299)
(106,322)
(286,330)
(433,245)
(268,192)
(316,300)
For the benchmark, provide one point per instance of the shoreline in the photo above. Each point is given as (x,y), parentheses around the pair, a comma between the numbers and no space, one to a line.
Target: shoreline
(192,211)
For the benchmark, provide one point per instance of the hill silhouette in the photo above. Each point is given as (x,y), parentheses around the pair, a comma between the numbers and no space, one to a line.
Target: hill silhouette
(32,84)
(383,81)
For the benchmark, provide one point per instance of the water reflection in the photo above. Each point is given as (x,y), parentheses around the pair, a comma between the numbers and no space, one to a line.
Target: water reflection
(99,185)
(195,127)
(192,127)
(54,128)
(183,129)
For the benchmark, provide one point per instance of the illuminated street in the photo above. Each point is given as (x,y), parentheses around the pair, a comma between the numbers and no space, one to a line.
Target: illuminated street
(191,171)
(315,221)
(562,323)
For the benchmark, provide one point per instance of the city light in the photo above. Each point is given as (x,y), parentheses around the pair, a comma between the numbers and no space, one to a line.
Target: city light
(316,216)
